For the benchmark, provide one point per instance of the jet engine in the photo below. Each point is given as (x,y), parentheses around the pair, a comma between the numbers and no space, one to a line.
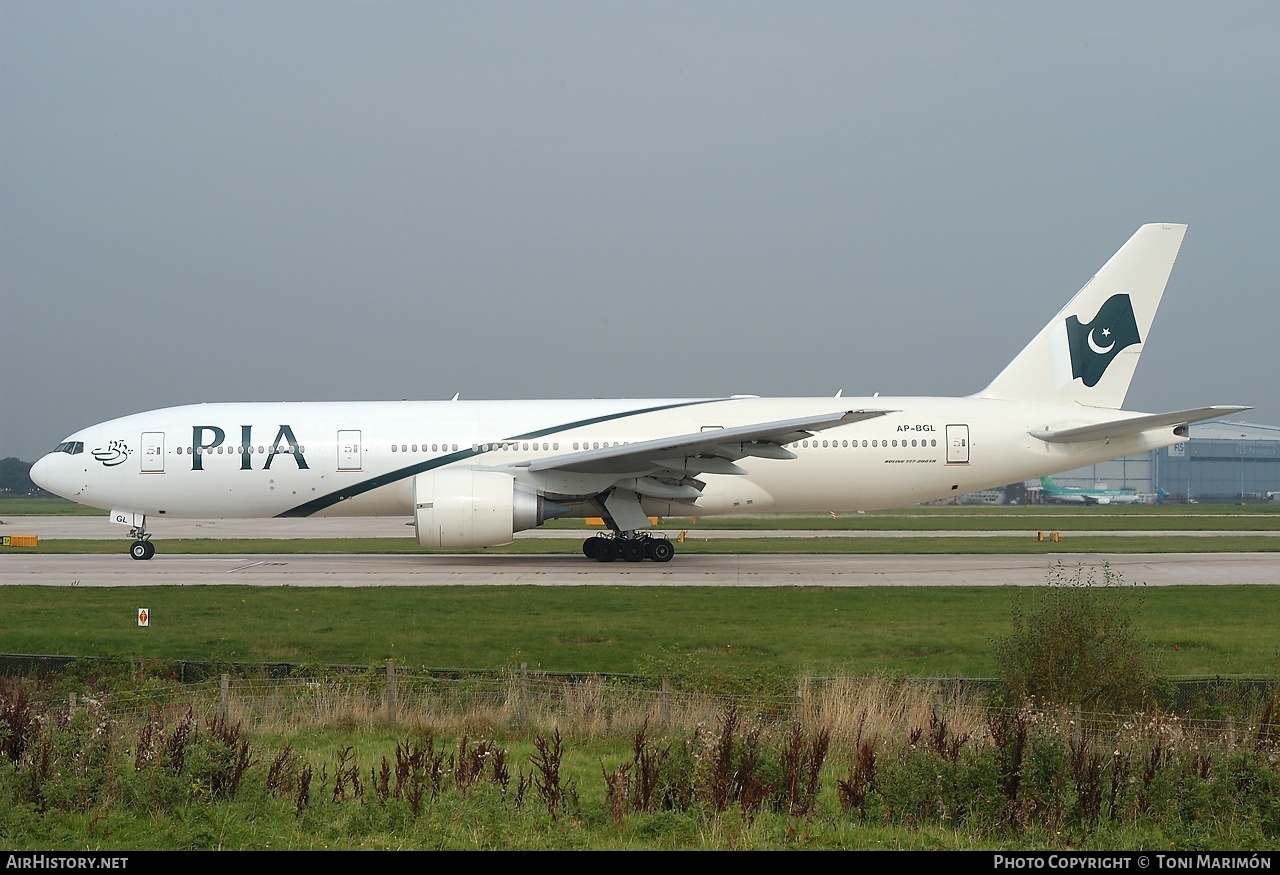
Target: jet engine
(474,507)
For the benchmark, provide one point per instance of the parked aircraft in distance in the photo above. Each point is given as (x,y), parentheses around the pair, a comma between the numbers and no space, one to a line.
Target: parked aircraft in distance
(472,473)
(1052,492)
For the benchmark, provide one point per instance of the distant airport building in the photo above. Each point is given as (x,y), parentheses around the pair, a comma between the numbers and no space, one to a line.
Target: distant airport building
(1220,461)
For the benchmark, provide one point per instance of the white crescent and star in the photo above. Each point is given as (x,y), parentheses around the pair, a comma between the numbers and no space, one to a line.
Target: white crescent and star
(1101,350)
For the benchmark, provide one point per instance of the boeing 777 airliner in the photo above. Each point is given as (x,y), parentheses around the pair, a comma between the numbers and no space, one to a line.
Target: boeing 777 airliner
(472,473)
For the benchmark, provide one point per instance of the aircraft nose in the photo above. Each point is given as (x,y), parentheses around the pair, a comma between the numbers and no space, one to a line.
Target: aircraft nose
(52,474)
(40,473)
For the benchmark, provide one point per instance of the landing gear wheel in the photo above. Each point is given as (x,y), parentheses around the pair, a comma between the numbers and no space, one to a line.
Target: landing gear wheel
(631,546)
(142,550)
(660,550)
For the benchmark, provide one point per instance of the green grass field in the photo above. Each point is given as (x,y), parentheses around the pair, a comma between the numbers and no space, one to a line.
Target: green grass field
(44,507)
(757,638)
(916,631)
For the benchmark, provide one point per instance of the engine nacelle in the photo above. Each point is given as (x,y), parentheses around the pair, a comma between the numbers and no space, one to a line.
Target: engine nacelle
(472,507)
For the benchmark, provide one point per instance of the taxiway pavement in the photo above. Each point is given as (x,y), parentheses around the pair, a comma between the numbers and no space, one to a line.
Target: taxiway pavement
(424,569)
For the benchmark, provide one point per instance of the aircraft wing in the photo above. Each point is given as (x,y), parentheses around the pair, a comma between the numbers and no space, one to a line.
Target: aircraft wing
(1134,425)
(717,448)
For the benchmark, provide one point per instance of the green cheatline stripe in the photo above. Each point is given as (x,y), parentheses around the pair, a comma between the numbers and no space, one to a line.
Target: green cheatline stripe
(318,504)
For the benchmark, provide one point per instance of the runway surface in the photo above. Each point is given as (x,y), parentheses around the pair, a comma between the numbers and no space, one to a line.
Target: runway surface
(420,569)
(1160,569)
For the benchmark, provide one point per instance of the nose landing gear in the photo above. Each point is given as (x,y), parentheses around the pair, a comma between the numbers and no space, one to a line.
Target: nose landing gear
(141,548)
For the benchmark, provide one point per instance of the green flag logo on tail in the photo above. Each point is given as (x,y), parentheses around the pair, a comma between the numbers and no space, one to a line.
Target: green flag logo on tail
(1094,344)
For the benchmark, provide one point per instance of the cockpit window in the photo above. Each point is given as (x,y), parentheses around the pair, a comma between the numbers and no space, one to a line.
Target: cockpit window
(71,448)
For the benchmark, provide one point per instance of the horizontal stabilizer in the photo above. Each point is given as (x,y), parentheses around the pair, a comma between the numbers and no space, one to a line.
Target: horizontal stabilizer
(1134,425)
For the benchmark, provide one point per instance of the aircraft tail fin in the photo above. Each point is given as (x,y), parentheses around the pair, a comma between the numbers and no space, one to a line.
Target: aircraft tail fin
(1088,352)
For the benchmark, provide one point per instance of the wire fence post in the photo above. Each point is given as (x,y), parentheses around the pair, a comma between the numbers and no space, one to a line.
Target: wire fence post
(224,698)
(393,709)
(664,713)
(522,703)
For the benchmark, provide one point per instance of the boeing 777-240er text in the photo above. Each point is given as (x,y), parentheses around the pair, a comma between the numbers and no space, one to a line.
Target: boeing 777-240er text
(472,473)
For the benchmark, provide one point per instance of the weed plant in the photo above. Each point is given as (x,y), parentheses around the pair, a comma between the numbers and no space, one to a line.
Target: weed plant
(855,763)
(1075,642)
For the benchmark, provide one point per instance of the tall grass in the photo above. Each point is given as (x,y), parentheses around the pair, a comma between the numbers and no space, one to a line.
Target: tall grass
(529,761)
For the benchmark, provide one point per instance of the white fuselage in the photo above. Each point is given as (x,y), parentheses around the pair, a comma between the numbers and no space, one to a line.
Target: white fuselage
(360,458)
(472,473)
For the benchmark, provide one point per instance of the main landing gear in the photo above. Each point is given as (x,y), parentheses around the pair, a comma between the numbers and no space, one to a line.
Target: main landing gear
(628,546)
(141,548)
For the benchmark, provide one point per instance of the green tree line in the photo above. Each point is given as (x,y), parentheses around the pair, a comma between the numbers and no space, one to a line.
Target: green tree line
(15,477)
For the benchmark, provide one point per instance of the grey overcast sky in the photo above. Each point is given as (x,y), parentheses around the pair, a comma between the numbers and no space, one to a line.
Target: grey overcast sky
(381,200)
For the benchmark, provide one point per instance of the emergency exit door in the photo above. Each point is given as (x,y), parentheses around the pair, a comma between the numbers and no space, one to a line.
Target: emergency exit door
(349,454)
(153,452)
(957,444)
